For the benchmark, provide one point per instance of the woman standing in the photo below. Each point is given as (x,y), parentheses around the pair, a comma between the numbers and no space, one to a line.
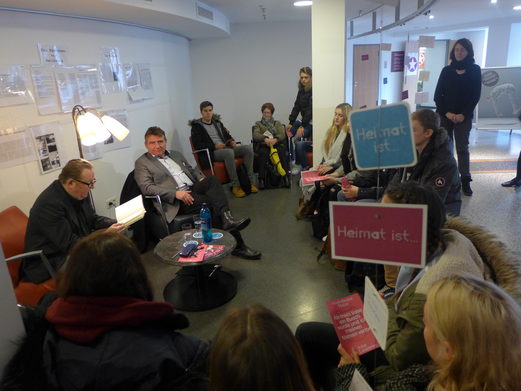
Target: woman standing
(302,131)
(457,94)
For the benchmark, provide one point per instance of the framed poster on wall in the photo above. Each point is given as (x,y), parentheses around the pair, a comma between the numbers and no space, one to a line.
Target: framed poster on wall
(500,104)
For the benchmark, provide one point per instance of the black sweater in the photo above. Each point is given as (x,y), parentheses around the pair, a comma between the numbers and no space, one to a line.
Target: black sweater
(303,105)
(458,94)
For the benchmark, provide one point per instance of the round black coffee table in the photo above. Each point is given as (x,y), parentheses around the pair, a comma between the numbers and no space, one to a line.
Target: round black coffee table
(198,286)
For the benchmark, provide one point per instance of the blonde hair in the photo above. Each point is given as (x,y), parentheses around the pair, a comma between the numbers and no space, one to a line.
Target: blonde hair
(482,325)
(333,132)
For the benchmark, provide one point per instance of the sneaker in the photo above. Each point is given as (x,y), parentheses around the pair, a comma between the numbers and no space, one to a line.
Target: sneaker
(295,169)
(238,192)
(386,292)
(254,189)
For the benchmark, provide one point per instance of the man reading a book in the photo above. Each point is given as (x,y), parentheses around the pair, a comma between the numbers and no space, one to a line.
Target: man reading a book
(183,189)
(61,215)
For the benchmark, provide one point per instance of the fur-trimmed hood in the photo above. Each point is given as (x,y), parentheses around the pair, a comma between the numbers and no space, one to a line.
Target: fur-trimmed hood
(215,117)
(505,266)
(439,138)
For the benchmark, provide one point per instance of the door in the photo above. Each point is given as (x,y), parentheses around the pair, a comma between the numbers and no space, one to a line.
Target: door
(366,60)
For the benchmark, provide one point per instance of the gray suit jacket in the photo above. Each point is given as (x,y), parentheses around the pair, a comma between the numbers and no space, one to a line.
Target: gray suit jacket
(153,178)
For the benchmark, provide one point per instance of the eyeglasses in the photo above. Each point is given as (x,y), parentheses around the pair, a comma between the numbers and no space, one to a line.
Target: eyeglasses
(90,184)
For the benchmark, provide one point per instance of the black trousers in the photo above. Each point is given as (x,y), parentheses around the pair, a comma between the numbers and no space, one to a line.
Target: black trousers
(209,191)
(319,343)
(263,157)
(459,134)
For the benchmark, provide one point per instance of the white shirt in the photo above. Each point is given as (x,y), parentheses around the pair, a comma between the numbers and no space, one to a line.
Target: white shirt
(183,181)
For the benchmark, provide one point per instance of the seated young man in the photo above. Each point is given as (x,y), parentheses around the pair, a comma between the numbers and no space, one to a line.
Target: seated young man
(208,132)
(183,189)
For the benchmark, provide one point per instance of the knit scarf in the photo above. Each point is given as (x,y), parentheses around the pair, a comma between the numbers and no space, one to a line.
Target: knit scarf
(270,124)
(466,63)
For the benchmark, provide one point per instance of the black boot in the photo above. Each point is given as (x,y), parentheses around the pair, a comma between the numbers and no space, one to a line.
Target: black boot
(242,250)
(465,185)
(230,223)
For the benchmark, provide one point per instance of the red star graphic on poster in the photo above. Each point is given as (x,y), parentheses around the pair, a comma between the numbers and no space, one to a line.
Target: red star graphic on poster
(421,62)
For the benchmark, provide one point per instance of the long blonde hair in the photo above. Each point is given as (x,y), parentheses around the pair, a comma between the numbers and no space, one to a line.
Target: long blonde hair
(333,132)
(482,325)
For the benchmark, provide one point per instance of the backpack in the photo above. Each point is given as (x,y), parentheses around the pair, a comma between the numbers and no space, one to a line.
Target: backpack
(244,179)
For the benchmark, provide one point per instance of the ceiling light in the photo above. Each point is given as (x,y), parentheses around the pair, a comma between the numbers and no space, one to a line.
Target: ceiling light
(493,1)
(302,3)
(517,8)
(431,16)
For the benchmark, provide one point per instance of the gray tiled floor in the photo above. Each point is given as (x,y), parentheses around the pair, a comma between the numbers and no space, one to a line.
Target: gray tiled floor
(288,278)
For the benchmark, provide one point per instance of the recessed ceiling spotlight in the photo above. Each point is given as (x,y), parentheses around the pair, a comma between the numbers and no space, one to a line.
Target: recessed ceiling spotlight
(493,1)
(302,3)
(431,16)
(517,8)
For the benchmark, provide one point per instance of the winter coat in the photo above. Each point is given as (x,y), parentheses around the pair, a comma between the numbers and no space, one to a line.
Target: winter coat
(469,249)
(202,140)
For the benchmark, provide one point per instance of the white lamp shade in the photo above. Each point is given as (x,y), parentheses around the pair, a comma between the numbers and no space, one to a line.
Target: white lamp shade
(115,127)
(91,130)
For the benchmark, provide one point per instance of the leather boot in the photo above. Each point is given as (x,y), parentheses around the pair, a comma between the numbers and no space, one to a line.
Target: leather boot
(465,186)
(230,223)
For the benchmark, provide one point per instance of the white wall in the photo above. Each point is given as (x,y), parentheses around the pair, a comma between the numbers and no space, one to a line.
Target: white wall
(170,63)
(514,54)
(259,63)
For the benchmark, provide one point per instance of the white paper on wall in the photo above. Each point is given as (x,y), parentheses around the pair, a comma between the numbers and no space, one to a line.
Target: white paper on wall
(138,78)
(421,97)
(113,143)
(78,85)
(424,76)
(16,147)
(45,89)
(52,54)
(426,41)
(13,86)
(47,144)
(111,71)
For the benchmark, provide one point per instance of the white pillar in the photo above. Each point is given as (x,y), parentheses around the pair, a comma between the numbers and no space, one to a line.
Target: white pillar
(328,30)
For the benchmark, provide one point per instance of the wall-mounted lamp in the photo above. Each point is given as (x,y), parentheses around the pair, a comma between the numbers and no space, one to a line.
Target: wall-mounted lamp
(93,126)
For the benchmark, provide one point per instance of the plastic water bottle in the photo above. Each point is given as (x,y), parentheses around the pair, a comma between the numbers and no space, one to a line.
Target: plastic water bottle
(206,223)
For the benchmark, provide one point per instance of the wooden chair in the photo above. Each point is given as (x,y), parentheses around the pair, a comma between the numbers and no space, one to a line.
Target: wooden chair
(13,224)
(217,168)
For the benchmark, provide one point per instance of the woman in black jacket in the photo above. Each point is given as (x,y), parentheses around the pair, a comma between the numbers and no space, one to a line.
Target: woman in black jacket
(457,94)
(302,131)
(105,332)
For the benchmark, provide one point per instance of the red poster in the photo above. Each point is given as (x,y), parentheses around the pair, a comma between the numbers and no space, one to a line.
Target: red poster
(397,61)
(392,234)
(351,328)
(365,57)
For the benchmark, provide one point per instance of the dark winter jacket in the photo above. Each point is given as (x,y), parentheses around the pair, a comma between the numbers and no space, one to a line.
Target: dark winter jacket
(201,139)
(115,343)
(458,94)
(303,105)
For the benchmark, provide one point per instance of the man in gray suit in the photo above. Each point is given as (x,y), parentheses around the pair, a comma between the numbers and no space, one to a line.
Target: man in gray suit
(183,189)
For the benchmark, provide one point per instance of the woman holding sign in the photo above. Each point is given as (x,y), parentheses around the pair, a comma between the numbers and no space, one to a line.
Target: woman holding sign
(457,94)
(452,247)
(472,330)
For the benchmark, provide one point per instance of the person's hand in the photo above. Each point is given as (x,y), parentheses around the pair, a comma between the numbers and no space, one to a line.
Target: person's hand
(351,191)
(323,169)
(117,227)
(451,116)
(300,132)
(220,146)
(459,118)
(330,181)
(288,130)
(233,144)
(185,197)
(346,358)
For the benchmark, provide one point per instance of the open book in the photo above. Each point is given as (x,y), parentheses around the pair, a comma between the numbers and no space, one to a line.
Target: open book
(131,211)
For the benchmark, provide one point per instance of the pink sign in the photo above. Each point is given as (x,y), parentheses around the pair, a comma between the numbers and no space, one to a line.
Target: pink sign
(310,177)
(351,328)
(393,234)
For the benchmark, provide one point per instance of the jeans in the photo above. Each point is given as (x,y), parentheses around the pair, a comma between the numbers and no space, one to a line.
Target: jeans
(228,155)
(308,133)
(459,134)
